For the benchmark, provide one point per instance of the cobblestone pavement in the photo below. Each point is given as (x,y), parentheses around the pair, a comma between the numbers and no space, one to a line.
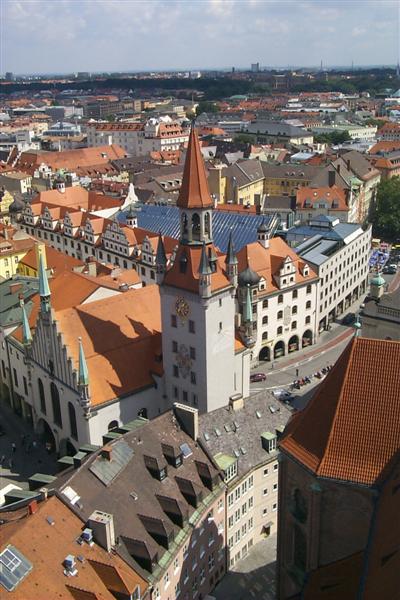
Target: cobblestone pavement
(253,576)
(17,466)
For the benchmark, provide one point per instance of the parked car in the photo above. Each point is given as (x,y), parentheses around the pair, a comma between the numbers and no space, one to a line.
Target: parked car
(254,377)
(390,270)
(349,319)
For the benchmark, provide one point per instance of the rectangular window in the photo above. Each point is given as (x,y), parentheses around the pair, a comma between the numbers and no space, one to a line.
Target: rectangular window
(275,487)
(230,522)
(184,396)
(15,377)
(250,523)
(237,493)
(237,515)
(25,386)
(265,472)
(244,487)
(175,371)
(192,328)
(174,346)
(230,500)
(192,353)
(176,392)
(265,491)
(174,322)
(192,377)
(251,502)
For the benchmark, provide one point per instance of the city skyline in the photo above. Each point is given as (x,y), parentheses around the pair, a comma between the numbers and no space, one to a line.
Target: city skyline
(139,36)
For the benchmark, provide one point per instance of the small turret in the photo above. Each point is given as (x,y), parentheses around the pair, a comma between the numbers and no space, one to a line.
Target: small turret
(161,259)
(247,320)
(263,235)
(131,217)
(83,381)
(44,290)
(377,286)
(212,259)
(205,274)
(231,262)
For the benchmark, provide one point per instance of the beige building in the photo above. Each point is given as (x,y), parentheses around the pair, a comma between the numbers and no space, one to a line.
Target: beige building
(15,181)
(242,441)
(241,183)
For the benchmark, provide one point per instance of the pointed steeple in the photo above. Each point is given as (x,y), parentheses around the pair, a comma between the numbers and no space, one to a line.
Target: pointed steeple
(26,330)
(231,258)
(194,192)
(248,308)
(44,290)
(83,376)
(204,267)
(161,257)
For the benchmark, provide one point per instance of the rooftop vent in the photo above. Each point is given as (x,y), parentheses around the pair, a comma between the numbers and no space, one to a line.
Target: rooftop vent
(69,564)
(87,536)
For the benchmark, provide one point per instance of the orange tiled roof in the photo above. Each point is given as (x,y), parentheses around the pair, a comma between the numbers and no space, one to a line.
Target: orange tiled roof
(267,262)
(334,196)
(57,261)
(78,197)
(194,191)
(127,324)
(70,159)
(350,430)
(385,146)
(189,280)
(46,547)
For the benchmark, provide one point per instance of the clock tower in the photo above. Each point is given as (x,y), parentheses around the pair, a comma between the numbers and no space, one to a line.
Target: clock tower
(198,303)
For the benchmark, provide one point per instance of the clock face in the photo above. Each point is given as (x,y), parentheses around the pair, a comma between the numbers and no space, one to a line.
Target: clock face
(182,308)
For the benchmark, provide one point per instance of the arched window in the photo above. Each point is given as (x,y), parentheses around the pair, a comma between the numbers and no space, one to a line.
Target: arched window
(294,294)
(42,397)
(112,425)
(308,304)
(279,330)
(294,310)
(72,421)
(308,289)
(280,298)
(265,335)
(184,224)
(55,401)
(265,320)
(196,226)
(280,314)
(265,304)
(207,224)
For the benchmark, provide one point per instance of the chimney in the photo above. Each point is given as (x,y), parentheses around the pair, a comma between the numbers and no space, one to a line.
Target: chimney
(102,526)
(106,453)
(331,178)
(188,419)
(338,169)
(92,267)
(32,507)
(236,402)
(348,165)
(40,250)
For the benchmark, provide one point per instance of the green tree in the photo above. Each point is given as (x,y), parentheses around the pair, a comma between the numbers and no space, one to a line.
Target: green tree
(385,215)
(333,137)
(206,107)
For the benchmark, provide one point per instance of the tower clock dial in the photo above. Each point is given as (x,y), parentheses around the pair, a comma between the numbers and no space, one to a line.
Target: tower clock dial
(182,308)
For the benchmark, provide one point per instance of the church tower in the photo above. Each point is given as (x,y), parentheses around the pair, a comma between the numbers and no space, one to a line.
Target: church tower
(198,302)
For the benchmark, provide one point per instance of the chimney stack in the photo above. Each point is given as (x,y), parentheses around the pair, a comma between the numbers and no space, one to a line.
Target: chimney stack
(188,419)
(106,453)
(331,178)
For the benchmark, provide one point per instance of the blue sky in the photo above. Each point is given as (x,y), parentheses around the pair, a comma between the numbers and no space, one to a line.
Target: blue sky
(40,36)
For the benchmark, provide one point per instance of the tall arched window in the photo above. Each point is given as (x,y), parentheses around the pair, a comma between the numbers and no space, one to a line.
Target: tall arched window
(42,396)
(55,401)
(207,224)
(112,425)
(196,226)
(184,224)
(72,421)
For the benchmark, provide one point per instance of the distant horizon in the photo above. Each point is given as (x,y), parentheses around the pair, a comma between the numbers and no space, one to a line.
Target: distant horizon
(43,36)
(205,70)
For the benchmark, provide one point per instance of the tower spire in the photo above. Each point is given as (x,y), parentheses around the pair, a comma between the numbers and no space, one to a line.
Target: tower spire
(26,330)
(161,257)
(247,320)
(231,261)
(44,289)
(194,191)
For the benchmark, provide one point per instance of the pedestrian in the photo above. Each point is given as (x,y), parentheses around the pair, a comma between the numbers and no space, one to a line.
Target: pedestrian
(10,463)
(297,372)
(14,447)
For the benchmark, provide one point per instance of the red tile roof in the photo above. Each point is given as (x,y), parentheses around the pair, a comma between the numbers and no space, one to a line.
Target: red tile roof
(350,430)
(189,280)
(194,191)
(334,197)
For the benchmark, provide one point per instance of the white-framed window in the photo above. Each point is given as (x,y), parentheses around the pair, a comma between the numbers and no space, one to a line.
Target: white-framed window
(265,472)
(251,502)
(237,515)
(220,504)
(274,507)
(237,493)
(251,523)
(230,472)
(265,491)
(230,522)
(166,580)
(275,487)
(275,466)
(176,564)
(230,499)
(251,482)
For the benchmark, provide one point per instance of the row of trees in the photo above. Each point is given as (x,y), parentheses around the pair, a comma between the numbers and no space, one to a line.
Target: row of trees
(385,215)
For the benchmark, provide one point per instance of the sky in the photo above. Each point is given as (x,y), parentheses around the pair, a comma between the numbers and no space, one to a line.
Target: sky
(63,36)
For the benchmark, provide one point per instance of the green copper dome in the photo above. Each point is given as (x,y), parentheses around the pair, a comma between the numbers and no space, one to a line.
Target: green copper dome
(378,280)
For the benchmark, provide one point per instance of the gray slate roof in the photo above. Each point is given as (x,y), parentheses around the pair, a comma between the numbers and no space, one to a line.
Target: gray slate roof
(10,311)
(246,434)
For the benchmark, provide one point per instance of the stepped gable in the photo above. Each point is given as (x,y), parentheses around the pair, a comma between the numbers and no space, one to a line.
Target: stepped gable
(350,430)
